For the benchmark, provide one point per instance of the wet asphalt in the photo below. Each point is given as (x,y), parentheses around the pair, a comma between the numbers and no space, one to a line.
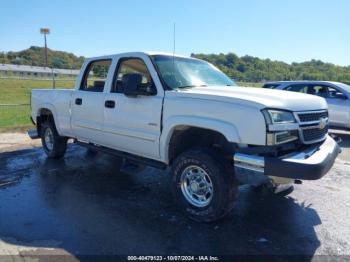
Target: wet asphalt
(82,205)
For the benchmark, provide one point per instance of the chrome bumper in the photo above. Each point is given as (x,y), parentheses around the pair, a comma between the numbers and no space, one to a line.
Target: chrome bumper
(310,164)
(250,169)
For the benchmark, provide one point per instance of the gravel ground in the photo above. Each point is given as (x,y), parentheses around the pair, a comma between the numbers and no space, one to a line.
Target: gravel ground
(81,205)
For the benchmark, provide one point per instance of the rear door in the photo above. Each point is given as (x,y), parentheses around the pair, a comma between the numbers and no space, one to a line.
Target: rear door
(88,102)
(133,124)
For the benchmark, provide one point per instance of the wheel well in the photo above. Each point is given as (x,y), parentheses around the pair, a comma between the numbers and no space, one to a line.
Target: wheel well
(44,115)
(186,137)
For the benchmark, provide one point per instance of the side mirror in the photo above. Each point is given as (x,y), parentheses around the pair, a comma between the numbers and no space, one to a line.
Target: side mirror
(131,83)
(133,86)
(340,96)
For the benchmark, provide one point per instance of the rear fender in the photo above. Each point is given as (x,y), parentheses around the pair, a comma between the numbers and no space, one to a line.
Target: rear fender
(52,109)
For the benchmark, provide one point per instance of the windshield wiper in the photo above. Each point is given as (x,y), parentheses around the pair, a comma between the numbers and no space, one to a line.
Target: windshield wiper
(189,86)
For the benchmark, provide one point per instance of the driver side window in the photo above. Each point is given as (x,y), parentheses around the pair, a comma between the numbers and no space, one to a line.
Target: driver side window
(131,66)
(319,90)
(334,93)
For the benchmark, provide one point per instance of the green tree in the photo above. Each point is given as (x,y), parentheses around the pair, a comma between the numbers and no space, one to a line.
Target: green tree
(253,69)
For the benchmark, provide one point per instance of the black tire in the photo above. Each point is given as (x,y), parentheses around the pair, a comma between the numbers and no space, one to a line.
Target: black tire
(91,151)
(59,143)
(225,186)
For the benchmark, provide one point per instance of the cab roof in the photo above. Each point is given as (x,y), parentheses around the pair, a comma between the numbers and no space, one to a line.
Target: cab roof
(148,53)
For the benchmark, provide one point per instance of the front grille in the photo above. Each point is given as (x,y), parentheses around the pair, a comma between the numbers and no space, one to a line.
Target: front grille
(312,116)
(313,126)
(314,134)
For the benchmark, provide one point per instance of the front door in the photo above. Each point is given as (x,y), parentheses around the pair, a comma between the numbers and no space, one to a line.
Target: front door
(133,124)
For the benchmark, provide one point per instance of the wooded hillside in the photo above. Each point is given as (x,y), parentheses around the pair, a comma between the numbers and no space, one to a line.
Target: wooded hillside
(253,69)
(35,56)
(245,68)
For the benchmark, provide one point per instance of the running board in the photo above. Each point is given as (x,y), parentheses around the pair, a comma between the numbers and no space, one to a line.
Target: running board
(128,156)
(33,134)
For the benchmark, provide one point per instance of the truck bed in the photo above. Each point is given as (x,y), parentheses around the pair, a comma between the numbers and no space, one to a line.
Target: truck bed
(56,100)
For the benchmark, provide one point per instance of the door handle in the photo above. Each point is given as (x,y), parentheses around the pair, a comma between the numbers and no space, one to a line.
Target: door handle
(110,104)
(78,101)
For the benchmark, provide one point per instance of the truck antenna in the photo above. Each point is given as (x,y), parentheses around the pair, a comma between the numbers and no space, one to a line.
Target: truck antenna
(174,39)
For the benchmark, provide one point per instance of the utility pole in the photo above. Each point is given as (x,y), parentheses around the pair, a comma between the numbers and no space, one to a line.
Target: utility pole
(45,31)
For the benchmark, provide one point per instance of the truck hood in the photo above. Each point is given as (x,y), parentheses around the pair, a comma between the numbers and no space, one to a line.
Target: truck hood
(257,97)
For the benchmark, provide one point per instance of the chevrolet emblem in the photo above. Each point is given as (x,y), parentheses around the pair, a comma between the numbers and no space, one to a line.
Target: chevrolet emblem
(323,123)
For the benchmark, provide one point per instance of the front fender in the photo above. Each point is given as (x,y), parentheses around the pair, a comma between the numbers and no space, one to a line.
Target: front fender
(228,130)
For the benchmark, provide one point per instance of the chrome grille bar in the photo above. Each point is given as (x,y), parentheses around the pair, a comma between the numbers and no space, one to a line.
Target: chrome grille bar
(313,125)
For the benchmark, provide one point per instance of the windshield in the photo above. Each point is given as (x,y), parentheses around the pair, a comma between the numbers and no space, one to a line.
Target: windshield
(179,72)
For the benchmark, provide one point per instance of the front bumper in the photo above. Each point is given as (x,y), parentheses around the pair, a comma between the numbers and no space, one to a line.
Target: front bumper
(310,164)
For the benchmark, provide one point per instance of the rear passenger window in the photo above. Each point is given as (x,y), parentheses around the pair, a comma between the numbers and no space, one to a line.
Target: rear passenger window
(297,88)
(95,76)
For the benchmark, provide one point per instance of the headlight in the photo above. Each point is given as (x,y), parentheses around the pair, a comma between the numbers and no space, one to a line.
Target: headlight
(280,117)
(281,126)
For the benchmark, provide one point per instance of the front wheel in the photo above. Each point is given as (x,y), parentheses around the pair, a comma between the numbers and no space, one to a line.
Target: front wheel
(54,145)
(203,185)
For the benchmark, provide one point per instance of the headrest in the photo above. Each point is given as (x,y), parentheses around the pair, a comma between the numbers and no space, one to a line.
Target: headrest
(99,84)
(132,76)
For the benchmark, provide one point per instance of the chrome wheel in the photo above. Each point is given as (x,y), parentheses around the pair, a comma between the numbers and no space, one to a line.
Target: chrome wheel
(48,137)
(196,186)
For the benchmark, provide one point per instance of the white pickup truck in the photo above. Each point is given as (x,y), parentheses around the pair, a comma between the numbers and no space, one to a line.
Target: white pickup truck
(183,113)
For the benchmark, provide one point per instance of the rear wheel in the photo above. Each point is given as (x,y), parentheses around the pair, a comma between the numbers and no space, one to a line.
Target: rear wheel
(54,145)
(203,185)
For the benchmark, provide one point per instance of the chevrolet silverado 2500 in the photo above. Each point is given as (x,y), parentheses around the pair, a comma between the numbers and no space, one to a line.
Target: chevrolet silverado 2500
(185,114)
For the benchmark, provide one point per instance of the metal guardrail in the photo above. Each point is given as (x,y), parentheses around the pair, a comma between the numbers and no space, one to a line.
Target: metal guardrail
(14,105)
(38,78)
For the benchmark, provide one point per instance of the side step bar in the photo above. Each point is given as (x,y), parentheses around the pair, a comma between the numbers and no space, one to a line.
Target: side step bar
(33,134)
(128,156)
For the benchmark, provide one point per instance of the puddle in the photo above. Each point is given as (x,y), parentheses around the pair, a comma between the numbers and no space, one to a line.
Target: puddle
(21,162)
(10,179)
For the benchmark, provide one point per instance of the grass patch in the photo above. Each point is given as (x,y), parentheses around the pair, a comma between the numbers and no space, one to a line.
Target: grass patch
(17,91)
(249,84)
